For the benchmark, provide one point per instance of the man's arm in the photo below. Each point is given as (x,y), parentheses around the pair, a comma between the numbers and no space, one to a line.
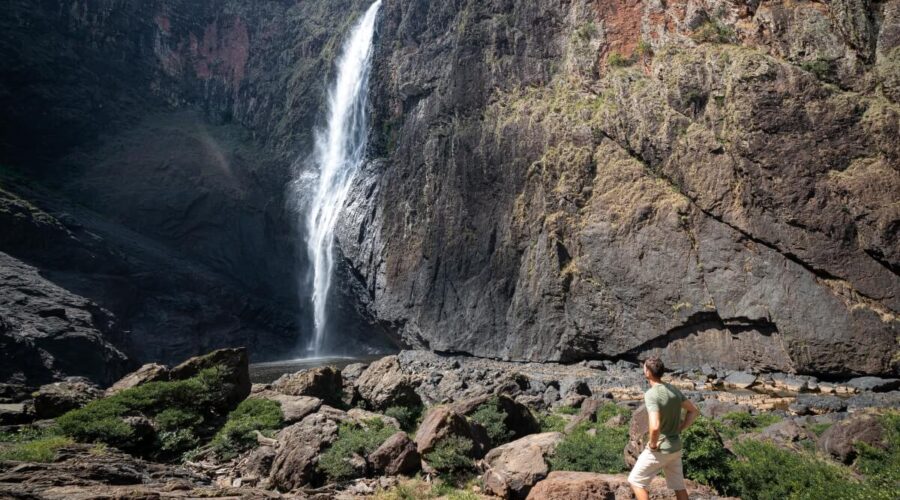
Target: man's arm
(692,413)
(653,426)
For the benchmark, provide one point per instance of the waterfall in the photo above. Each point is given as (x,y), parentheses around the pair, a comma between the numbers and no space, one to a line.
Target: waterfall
(340,148)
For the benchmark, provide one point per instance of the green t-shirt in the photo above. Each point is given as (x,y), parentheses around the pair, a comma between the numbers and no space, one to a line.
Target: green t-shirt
(666,400)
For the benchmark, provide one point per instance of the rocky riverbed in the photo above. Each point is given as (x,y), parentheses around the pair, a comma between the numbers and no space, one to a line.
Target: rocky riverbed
(425,425)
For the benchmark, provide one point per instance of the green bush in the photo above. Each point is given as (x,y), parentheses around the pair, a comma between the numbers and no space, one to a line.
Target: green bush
(820,68)
(353,438)
(763,471)
(617,60)
(882,467)
(610,410)
(567,410)
(583,452)
(713,31)
(238,433)
(408,416)
(452,454)
(551,422)
(38,450)
(704,455)
(739,422)
(493,418)
(183,412)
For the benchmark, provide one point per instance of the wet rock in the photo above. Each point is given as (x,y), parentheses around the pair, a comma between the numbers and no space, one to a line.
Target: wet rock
(323,382)
(52,400)
(840,439)
(384,384)
(740,380)
(513,468)
(150,372)
(235,371)
(874,384)
(397,455)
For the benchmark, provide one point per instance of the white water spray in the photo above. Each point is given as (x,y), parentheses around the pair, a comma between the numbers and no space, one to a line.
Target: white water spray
(340,149)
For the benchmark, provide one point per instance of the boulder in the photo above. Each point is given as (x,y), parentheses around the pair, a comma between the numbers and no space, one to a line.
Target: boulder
(293,408)
(819,404)
(713,408)
(442,422)
(840,439)
(14,414)
(151,372)
(511,470)
(397,455)
(384,384)
(874,384)
(637,435)
(740,380)
(15,393)
(519,419)
(361,416)
(235,372)
(323,382)
(588,413)
(299,446)
(786,434)
(254,467)
(52,400)
(562,485)
(349,374)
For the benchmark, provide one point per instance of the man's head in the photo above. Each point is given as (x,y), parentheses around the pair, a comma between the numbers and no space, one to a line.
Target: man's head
(653,368)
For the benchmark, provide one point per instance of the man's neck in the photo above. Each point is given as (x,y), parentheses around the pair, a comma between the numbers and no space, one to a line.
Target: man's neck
(654,381)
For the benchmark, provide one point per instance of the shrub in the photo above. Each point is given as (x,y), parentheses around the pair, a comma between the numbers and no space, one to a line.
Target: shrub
(38,450)
(183,411)
(766,472)
(820,68)
(567,410)
(408,416)
(551,422)
(713,31)
(452,454)
(617,60)
(882,467)
(352,439)
(238,433)
(610,410)
(704,457)
(740,422)
(601,452)
(493,418)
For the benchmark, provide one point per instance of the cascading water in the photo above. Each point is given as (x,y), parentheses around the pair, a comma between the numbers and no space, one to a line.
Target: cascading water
(340,148)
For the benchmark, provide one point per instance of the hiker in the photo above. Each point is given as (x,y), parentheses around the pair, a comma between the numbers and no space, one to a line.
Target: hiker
(663,452)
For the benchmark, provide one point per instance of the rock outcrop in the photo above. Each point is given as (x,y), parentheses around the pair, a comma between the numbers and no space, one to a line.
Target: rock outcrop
(569,180)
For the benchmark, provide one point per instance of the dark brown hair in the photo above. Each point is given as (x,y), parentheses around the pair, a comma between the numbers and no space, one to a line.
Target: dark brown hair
(655,366)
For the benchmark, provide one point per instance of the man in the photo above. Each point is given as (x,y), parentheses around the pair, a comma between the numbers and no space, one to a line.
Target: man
(663,453)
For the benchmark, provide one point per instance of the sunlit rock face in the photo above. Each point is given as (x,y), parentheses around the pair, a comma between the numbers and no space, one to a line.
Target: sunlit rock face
(714,181)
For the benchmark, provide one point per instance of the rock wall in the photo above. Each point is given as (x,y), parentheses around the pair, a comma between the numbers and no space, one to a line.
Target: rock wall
(715,181)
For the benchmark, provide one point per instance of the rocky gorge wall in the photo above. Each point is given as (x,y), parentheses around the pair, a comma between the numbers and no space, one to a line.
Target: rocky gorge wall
(145,159)
(715,181)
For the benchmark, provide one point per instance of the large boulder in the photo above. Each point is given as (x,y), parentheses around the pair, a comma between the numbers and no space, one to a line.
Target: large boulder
(235,371)
(442,422)
(293,408)
(840,439)
(384,384)
(786,434)
(637,435)
(299,445)
(323,382)
(511,470)
(52,400)
(517,417)
(874,384)
(562,485)
(151,372)
(397,455)
(740,380)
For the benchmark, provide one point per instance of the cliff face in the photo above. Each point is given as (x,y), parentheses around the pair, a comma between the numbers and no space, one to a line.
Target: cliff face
(715,181)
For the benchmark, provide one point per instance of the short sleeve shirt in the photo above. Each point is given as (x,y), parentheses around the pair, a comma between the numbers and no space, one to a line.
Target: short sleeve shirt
(666,399)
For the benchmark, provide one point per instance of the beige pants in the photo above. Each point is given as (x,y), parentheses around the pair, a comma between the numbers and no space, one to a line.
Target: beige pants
(648,465)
